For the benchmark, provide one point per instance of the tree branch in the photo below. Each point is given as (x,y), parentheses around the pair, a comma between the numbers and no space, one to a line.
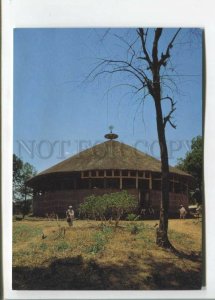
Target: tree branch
(169,116)
(130,46)
(125,66)
(141,34)
(158,33)
(137,89)
(128,64)
(165,56)
(119,70)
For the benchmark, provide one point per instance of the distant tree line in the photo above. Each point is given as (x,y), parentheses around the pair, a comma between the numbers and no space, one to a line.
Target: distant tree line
(22,195)
(193,164)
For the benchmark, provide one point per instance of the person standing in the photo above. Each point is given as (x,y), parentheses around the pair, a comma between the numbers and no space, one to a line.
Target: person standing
(182,212)
(70,215)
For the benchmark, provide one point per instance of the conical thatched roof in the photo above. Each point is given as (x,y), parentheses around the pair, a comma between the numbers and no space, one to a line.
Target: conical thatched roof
(110,155)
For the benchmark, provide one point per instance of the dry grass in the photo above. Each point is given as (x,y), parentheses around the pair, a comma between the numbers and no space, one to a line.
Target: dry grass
(91,256)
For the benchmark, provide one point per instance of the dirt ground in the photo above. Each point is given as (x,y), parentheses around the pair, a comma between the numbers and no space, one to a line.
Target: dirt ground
(48,255)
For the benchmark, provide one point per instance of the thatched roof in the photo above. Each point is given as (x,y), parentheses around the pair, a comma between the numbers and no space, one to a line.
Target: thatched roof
(110,155)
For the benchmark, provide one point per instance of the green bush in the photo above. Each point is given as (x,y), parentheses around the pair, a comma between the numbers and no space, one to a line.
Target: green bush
(23,232)
(112,206)
(62,246)
(134,229)
(43,246)
(99,240)
(106,229)
(132,217)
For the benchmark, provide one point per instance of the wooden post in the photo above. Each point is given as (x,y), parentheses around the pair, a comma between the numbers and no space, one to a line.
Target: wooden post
(25,203)
(150,189)
(137,180)
(75,183)
(90,183)
(187,189)
(150,181)
(173,184)
(120,181)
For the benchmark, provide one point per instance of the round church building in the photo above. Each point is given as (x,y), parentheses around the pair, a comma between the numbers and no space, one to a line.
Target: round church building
(106,168)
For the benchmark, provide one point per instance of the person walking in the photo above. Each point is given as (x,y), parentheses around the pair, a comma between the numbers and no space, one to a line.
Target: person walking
(70,216)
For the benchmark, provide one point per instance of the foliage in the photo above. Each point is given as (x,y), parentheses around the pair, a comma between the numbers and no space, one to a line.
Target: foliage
(22,232)
(106,229)
(21,209)
(193,164)
(99,241)
(112,205)
(134,229)
(132,217)
(43,246)
(62,246)
(21,173)
(17,167)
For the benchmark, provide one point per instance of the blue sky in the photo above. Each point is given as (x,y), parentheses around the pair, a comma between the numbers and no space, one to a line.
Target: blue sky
(58,113)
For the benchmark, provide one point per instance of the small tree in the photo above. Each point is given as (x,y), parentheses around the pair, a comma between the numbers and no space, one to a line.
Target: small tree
(94,207)
(193,164)
(112,205)
(120,203)
(21,173)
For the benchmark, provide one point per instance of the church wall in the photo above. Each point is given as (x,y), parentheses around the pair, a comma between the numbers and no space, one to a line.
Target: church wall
(58,201)
(174,201)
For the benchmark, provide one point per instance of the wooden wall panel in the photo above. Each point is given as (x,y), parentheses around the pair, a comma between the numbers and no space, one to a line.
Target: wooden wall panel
(175,200)
(59,201)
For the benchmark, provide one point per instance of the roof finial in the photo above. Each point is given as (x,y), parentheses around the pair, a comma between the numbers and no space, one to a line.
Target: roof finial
(111,127)
(111,135)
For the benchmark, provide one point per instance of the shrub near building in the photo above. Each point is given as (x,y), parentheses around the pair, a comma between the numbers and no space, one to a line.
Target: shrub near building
(111,206)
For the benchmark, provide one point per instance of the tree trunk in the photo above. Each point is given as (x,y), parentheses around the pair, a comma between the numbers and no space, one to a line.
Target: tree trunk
(25,204)
(162,236)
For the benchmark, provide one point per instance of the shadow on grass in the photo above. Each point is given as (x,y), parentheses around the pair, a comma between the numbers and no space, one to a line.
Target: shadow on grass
(193,256)
(77,274)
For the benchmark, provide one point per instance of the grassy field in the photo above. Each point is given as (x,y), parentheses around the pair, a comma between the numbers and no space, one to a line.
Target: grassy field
(94,257)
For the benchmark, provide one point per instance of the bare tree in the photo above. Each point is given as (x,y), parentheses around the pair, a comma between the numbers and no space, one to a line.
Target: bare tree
(147,71)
